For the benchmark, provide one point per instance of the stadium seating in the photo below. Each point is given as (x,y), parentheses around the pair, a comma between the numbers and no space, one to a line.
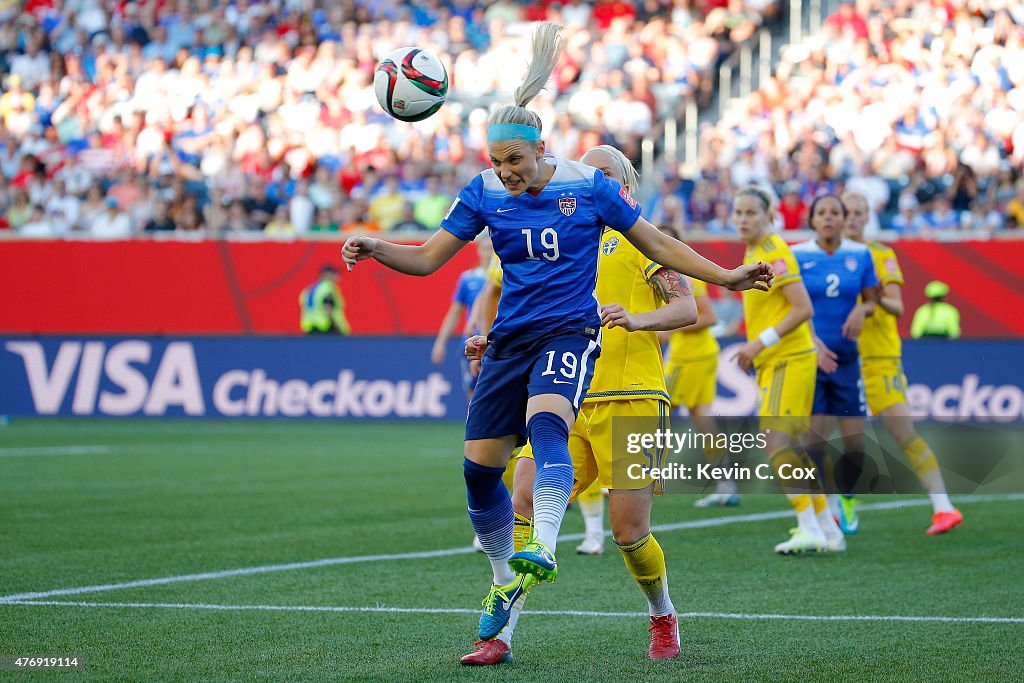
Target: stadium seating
(917,105)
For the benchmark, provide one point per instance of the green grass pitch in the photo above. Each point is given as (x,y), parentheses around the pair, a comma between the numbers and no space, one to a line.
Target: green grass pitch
(95,503)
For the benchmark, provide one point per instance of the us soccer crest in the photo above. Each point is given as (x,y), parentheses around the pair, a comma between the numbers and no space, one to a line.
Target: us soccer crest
(851,263)
(567,205)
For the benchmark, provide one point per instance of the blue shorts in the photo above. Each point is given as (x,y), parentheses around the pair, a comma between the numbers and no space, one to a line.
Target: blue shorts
(841,393)
(558,363)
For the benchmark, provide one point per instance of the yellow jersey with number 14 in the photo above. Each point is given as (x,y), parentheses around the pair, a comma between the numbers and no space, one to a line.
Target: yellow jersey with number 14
(762,310)
(880,337)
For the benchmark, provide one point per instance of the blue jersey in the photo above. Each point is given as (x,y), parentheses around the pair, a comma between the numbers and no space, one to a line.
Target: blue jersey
(547,243)
(469,286)
(834,282)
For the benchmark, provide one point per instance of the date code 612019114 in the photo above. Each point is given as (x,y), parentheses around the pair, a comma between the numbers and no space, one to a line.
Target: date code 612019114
(16,662)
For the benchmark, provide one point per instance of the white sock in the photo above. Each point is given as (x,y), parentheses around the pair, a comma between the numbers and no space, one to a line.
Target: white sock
(659,602)
(517,608)
(725,487)
(593,517)
(827,523)
(833,504)
(941,502)
(935,485)
(503,575)
(547,532)
(807,521)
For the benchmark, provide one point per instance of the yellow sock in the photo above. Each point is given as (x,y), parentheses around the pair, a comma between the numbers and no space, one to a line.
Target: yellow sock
(926,467)
(787,455)
(645,561)
(920,456)
(521,532)
(820,503)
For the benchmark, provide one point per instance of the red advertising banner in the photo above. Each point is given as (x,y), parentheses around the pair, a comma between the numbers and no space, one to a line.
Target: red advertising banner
(220,287)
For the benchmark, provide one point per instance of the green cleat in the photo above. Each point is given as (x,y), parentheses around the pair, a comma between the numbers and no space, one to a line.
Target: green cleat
(849,522)
(536,560)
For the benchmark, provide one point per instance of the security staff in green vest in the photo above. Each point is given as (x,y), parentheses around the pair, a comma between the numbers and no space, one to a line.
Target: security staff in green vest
(936,319)
(323,308)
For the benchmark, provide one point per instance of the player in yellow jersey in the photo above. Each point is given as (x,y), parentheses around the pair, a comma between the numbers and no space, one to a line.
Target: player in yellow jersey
(691,374)
(781,351)
(885,384)
(628,381)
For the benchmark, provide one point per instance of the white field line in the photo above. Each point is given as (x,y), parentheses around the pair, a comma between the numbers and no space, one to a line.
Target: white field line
(550,613)
(448,552)
(52,450)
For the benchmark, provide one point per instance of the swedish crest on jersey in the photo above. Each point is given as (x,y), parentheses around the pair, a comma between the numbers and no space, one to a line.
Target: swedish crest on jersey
(567,205)
(610,245)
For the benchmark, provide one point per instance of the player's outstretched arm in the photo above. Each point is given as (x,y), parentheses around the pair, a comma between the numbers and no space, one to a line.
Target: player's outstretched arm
(676,255)
(422,259)
(679,310)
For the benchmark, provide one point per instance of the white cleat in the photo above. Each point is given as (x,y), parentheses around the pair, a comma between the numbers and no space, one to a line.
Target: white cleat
(591,545)
(835,542)
(801,541)
(718,500)
(476,544)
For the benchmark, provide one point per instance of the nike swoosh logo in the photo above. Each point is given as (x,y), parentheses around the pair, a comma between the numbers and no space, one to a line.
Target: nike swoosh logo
(560,381)
(549,465)
(506,210)
(810,264)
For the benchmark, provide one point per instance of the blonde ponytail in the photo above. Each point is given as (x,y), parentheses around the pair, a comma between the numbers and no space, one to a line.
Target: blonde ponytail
(545,51)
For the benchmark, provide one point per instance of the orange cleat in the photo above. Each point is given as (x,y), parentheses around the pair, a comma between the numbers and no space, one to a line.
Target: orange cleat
(488,653)
(664,637)
(944,521)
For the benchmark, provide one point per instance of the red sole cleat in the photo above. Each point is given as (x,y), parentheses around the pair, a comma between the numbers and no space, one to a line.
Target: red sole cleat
(488,653)
(944,521)
(664,637)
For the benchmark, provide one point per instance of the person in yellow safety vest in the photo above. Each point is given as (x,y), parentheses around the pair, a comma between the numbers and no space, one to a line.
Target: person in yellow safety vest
(323,307)
(936,319)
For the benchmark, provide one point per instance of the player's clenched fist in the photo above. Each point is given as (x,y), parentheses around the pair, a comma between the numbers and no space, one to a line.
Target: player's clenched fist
(475,347)
(358,248)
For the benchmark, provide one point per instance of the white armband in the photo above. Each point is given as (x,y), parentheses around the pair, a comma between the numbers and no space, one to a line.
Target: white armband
(769,337)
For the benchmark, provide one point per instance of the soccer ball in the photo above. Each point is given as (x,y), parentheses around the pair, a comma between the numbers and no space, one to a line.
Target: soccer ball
(411,84)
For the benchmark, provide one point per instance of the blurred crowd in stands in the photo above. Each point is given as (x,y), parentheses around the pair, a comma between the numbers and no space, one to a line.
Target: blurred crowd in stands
(120,118)
(918,105)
